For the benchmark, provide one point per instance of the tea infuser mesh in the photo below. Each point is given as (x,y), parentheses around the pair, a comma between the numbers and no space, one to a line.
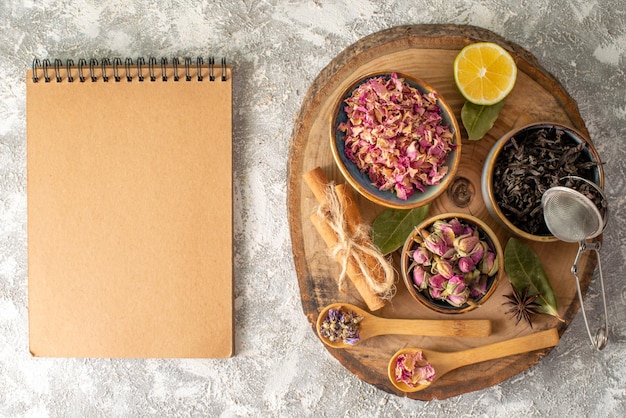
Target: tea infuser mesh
(573,217)
(570,216)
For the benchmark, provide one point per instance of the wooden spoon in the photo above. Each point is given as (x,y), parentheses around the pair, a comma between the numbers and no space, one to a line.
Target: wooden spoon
(445,362)
(371,326)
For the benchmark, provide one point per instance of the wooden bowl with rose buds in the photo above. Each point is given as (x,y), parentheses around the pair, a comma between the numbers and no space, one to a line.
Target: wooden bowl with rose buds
(452,263)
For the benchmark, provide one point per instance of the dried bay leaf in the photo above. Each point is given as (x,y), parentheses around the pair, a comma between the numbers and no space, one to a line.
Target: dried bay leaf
(524,269)
(478,119)
(392,227)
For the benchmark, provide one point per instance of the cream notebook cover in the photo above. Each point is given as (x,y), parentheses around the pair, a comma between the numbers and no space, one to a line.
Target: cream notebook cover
(130,245)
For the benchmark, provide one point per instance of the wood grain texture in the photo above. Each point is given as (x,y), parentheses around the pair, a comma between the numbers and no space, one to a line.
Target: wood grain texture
(427,52)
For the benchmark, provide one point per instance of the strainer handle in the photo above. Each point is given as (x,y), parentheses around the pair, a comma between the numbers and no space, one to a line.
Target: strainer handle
(601,337)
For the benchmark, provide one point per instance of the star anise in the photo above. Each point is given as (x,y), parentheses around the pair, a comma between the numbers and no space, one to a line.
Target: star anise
(523,305)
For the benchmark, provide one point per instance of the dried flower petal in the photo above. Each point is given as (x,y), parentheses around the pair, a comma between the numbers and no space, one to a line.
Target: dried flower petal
(341,325)
(396,135)
(413,369)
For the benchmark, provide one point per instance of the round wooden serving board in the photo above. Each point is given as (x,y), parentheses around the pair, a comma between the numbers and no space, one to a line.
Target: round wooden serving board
(427,52)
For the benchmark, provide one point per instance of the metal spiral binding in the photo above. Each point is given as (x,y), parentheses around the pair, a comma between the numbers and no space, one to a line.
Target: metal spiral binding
(116,69)
(127,64)
(175,63)
(57,70)
(140,64)
(211,69)
(105,64)
(187,69)
(43,68)
(68,65)
(199,63)
(151,64)
(92,69)
(81,63)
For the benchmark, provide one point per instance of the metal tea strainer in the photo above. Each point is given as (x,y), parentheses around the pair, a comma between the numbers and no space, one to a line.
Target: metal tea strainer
(577,212)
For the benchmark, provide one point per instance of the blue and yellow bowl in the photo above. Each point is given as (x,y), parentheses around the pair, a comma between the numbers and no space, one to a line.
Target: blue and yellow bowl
(360,180)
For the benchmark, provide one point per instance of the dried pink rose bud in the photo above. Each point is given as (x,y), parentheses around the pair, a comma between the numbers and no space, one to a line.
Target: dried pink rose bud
(446,231)
(456,225)
(466,264)
(467,230)
(479,252)
(441,266)
(436,285)
(457,292)
(436,244)
(478,287)
(489,265)
(464,244)
(422,256)
(420,277)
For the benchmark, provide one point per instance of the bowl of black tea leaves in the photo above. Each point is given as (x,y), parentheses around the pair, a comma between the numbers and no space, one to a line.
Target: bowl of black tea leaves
(526,162)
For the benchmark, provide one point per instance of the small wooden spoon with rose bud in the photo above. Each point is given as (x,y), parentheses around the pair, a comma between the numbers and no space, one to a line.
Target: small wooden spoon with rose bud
(372,326)
(443,363)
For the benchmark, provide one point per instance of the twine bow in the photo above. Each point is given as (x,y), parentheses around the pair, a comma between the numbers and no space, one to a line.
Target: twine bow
(355,243)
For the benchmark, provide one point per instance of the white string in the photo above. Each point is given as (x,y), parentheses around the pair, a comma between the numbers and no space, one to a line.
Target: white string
(358,246)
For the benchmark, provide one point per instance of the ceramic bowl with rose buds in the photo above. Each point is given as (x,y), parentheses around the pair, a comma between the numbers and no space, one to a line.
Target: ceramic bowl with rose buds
(452,263)
(395,140)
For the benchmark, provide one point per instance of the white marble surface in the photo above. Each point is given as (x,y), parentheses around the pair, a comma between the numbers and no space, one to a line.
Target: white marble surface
(277,48)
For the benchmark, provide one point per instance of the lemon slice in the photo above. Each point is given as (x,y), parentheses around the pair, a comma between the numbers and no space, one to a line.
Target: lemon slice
(485,73)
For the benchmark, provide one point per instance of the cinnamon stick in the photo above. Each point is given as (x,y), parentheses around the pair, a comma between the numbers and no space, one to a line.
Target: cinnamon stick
(318,182)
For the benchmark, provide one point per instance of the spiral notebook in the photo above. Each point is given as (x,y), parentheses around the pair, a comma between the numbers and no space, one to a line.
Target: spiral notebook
(129,167)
